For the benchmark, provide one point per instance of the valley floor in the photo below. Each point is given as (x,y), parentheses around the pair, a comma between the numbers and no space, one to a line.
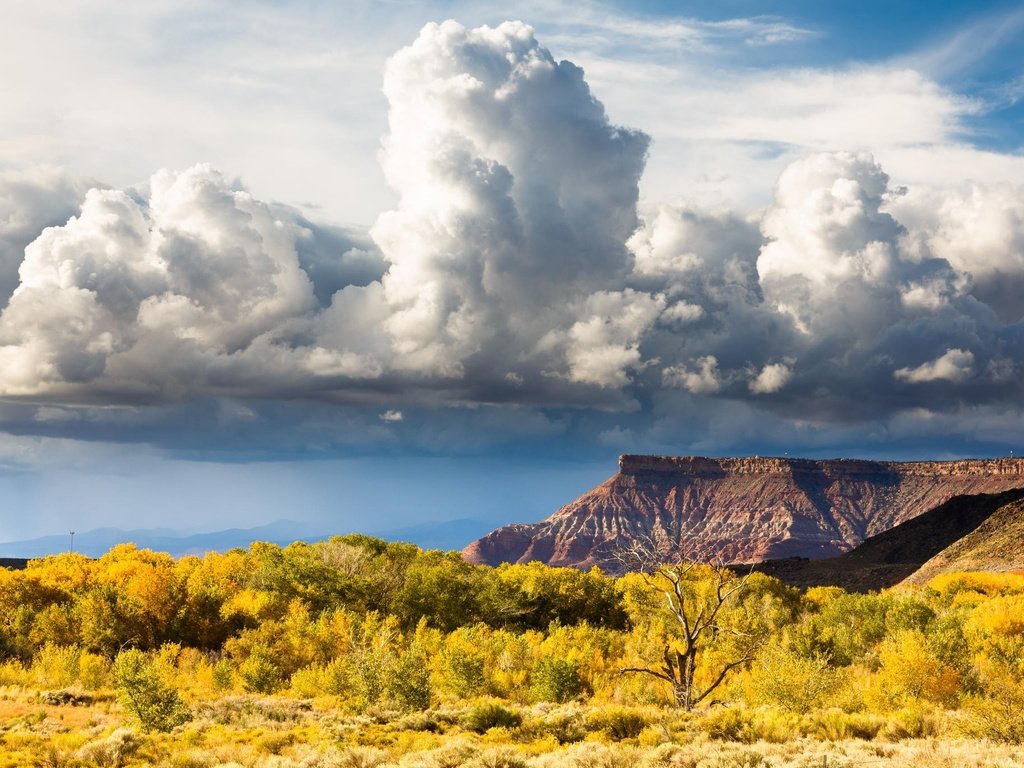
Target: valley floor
(78,729)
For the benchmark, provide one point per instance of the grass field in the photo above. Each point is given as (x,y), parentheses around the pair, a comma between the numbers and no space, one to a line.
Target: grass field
(79,729)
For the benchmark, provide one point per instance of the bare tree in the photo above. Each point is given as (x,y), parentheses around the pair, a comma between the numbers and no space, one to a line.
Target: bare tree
(695,591)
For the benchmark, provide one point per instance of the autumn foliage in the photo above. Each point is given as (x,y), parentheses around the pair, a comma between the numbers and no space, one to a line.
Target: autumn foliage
(370,627)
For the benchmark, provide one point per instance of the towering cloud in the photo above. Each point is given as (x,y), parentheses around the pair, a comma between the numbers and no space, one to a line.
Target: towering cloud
(517,196)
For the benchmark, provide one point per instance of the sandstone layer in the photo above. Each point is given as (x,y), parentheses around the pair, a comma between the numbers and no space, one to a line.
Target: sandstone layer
(742,510)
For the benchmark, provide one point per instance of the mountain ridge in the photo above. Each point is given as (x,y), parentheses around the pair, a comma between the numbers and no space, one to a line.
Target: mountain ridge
(742,509)
(445,534)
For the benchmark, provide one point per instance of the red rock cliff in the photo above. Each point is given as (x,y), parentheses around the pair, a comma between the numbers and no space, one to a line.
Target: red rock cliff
(743,509)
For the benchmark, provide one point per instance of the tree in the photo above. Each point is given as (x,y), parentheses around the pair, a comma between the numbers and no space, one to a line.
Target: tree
(157,706)
(696,597)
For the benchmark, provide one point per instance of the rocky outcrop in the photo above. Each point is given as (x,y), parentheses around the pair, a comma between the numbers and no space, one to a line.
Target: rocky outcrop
(742,509)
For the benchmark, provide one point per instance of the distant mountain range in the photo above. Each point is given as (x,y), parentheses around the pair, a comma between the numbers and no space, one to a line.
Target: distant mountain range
(449,534)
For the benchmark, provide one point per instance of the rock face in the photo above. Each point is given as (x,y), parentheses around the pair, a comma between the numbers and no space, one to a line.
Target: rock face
(742,510)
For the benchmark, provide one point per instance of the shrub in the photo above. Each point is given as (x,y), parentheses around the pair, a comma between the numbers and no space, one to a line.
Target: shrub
(56,665)
(565,727)
(618,722)
(502,757)
(223,675)
(728,724)
(408,684)
(156,705)
(792,681)
(997,715)
(93,671)
(913,722)
(555,679)
(111,752)
(259,674)
(462,671)
(835,724)
(489,715)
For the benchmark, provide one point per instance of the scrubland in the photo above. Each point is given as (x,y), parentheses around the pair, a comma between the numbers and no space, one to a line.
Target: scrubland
(357,653)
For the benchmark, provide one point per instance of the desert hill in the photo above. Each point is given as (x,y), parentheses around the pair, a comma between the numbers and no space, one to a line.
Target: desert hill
(997,544)
(966,533)
(743,510)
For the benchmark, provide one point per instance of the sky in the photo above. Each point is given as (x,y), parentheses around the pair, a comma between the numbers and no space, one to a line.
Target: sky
(376,264)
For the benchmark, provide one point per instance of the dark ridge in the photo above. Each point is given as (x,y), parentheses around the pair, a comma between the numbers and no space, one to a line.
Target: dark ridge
(14,563)
(892,556)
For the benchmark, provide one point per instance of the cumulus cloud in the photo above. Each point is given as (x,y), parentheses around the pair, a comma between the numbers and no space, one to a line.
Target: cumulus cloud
(190,287)
(30,201)
(771,378)
(699,379)
(980,233)
(518,270)
(517,195)
(955,365)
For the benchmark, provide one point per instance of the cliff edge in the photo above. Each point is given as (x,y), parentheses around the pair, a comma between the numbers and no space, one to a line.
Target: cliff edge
(742,510)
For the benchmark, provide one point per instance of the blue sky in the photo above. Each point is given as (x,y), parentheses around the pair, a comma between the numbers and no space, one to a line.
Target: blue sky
(328,263)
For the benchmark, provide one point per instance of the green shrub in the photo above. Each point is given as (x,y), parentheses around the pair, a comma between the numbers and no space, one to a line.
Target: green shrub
(565,727)
(156,705)
(111,752)
(223,675)
(93,671)
(462,672)
(556,680)
(259,674)
(408,684)
(793,681)
(56,665)
(835,725)
(500,757)
(912,722)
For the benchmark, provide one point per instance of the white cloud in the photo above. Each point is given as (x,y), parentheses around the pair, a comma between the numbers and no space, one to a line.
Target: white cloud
(956,365)
(516,197)
(771,378)
(980,232)
(174,294)
(603,346)
(700,379)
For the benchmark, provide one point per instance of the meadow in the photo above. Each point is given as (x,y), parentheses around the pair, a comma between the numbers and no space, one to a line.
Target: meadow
(359,653)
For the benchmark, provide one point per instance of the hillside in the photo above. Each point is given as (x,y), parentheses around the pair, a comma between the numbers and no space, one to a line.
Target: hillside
(968,533)
(742,509)
(995,545)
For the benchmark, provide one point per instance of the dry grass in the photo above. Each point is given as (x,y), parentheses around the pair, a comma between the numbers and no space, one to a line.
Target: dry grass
(277,732)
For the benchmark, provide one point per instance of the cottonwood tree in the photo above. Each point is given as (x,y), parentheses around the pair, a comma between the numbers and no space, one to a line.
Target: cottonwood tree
(704,632)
